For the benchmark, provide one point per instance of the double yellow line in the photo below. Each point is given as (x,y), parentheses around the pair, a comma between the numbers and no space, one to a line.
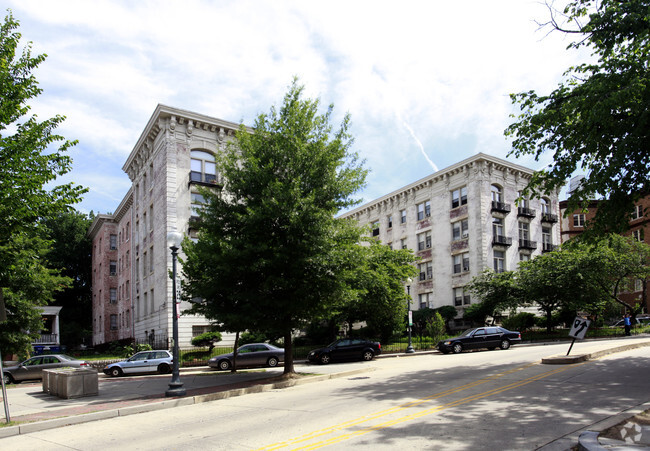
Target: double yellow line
(301,444)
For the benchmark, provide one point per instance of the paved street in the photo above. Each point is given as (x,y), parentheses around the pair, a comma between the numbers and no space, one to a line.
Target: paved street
(479,400)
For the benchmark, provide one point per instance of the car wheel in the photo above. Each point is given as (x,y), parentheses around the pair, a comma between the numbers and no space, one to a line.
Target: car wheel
(8,379)
(325,359)
(505,344)
(224,365)
(163,368)
(116,371)
(457,348)
(272,362)
(368,355)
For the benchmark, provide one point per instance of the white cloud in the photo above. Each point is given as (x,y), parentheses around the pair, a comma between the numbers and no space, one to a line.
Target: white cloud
(443,68)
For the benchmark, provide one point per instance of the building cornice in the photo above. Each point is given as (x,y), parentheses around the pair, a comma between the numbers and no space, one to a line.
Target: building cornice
(475,162)
(169,118)
(97,224)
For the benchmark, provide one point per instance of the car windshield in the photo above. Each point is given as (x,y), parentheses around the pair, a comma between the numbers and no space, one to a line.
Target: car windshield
(467,332)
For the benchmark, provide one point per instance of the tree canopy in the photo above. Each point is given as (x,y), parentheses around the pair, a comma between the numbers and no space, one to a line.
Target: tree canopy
(29,166)
(598,119)
(268,254)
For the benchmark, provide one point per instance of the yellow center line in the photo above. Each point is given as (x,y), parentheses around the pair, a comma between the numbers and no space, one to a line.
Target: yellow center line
(354,422)
(435,409)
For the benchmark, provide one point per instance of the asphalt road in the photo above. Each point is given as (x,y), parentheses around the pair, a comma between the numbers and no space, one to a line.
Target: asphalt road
(492,400)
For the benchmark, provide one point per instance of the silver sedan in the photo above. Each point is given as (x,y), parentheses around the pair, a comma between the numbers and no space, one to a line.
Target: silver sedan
(32,368)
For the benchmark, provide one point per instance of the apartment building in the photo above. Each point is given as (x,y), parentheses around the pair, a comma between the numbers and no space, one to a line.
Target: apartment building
(132,290)
(573,225)
(460,221)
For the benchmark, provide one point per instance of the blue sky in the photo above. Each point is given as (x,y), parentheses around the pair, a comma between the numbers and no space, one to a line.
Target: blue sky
(426,83)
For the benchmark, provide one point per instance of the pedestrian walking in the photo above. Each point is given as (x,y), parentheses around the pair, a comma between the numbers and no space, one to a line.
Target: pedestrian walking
(627,322)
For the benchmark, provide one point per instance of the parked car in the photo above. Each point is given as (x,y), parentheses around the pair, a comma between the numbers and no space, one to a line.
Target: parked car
(250,355)
(346,349)
(478,338)
(640,320)
(159,361)
(32,368)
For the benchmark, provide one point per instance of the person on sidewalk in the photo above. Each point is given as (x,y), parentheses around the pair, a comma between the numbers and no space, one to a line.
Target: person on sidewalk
(627,322)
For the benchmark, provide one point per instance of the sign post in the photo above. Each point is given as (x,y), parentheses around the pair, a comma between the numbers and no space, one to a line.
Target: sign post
(578,330)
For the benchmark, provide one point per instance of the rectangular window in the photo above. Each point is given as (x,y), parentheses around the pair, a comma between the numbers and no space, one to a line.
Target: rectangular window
(113,267)
(424,210)
(403,216)
(461,297)
(461,263)
(424,240)
(151,299)
(137,268)
(113,322)
(375,228)
(113,242)
(579,220)
(426,270)
(144,264)
(524,257)
(546,236)
(638,234)
(459,197)
(460,229)
(637,212)
(113,295)
(524,231)
(403,243)
(151,265)
(425,300)
(198,203)
(499,261)
(151,217)
(390,221)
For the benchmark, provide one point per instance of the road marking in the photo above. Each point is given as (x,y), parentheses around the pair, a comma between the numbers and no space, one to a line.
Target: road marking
(392,410)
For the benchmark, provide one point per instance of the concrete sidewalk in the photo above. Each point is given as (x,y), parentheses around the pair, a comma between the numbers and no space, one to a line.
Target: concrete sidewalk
(33,410)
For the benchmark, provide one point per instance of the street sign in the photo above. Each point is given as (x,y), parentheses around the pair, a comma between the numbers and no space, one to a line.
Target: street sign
(410,318)
(579,328)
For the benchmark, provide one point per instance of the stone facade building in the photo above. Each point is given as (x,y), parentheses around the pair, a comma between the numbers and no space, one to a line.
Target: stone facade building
(460,221)
(132,290)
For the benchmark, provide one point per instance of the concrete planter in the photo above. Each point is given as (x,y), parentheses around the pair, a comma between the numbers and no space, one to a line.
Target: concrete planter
(71,382)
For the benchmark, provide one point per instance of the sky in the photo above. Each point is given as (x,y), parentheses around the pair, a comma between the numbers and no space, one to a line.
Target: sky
(426,83)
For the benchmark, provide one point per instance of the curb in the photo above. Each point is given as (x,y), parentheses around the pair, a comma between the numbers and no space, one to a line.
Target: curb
(169,403)
(564,359)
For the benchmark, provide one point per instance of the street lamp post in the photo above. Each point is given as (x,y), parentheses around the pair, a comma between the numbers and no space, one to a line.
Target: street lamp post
(409,320)
(175,386)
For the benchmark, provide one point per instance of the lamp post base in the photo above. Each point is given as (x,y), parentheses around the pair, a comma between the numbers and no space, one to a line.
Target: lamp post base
(175,389)
(409,349)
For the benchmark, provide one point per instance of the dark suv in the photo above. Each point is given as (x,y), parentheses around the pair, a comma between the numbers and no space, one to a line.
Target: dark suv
(346,349)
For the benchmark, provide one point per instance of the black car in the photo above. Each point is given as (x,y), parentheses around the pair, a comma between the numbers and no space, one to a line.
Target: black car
(346,349)
(250,355)
(478,338)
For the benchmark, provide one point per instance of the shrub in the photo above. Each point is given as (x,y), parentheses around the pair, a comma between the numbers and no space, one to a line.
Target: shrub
(435,327)
(207,339)
(519,322)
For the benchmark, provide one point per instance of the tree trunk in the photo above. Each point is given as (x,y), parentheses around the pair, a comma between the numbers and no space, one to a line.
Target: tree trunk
(234,353)
(288,353)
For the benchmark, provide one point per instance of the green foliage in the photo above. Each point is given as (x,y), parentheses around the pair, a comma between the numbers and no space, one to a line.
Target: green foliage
(498,292)
(207,339)
(29,166)
(520,322)
(71,254)
(377,294)
(598,119)
(252,337)
(128,350)
(268,257)
(435,327)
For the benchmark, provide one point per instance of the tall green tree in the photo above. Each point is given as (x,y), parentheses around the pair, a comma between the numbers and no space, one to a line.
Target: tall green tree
(498,292)
(598,119)
(267,257)
(71,254)
(30,163)
(380,298)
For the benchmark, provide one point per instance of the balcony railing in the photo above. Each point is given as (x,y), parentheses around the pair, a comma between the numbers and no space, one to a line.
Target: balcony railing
(549,217)
(527,244)
(500,207)
(47,339)
(501,240)
(548,247)
(526,212)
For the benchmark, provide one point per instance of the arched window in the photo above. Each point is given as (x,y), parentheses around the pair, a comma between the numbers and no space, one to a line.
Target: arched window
(546,208)
(497,193)
(203,167)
